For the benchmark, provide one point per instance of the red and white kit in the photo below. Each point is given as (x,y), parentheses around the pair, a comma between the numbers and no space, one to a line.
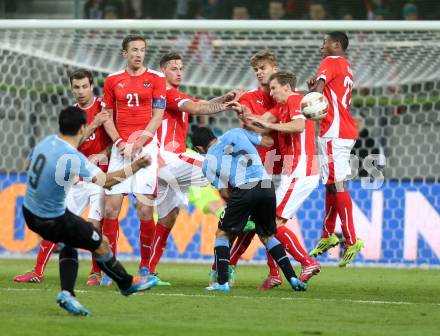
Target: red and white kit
(298,152)
(84,193)
(131,98)
(178,169)
(259,102)
(338,131)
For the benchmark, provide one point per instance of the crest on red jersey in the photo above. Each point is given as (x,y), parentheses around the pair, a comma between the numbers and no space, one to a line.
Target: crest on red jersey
(146,84)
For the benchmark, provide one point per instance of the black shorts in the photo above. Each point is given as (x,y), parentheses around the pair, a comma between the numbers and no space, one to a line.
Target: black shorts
(69,229)
(256,203)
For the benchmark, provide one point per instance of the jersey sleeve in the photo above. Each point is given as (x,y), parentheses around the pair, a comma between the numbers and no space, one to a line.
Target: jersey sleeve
(176,99)
(295,108)
(327,70)
(108,98)
(159,93)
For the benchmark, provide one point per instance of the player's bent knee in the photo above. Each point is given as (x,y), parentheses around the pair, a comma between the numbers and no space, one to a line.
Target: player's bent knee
(263,239)
(169,220)
(104,247)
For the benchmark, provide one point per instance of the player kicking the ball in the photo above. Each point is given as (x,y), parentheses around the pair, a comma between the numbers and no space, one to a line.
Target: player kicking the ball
(232,161)
(82,193)
(44,210)
(338,133)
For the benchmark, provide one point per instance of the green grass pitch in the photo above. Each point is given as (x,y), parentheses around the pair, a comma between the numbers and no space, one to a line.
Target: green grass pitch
(352,301)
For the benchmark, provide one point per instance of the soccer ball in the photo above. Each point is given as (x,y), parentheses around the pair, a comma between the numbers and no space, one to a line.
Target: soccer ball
(314,106)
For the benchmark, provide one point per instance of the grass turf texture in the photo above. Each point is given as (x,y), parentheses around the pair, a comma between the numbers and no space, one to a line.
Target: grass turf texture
(352,301)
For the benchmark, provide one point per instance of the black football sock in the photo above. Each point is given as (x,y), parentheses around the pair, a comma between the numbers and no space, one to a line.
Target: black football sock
(68,264)
(221,253)
(114,270)
(278,253)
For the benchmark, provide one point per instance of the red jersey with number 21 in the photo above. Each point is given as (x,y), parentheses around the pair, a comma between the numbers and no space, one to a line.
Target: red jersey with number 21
(174,128)
(131,98)
(338,77)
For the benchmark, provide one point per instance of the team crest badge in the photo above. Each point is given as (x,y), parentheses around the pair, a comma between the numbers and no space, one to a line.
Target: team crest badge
(146,84)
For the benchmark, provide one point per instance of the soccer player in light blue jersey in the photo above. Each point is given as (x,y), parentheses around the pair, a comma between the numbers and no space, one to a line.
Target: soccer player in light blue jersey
(232,162)
(55,165)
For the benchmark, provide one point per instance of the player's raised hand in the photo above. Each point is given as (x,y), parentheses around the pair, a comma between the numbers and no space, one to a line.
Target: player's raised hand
(233,95)
(311,82)
(100,118)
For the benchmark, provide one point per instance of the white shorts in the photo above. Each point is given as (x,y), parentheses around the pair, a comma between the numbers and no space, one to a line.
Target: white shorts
(292,192)
(144,181)
(176,175)
(81,195)
(334,159)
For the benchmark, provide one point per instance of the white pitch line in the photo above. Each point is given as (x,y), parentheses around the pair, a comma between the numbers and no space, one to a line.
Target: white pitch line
(206,296)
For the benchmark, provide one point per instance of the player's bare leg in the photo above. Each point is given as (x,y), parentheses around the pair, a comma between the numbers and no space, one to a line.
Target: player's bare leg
(147,227)
(110,226)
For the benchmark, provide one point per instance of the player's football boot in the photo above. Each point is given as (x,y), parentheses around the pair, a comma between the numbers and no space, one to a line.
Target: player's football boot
(309,271)
(324,245)
(212,277)
(68,302)
(298,285)
(250,226)
(106,281)
(351,252)
(29,277)
(94,279)
(231,275)
(140,284)
(143,271)
(219,288)
(271,281)
(160,282)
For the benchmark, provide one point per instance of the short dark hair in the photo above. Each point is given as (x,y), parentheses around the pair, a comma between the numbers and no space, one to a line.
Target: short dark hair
(71,119)
(171,56)
(130,38)
(341,37)
(284,78)
(80,74)
(202,136)
(264,55)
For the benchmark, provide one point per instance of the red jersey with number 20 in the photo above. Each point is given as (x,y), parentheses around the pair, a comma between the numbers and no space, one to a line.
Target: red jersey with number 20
(174,128)
(99,140)
(131,98)
(338,77)
(297,150)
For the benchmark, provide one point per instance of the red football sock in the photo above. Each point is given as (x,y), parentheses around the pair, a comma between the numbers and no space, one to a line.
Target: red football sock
(288,239)
(273,267)
(331,213)
(95,266)
(110,229)
(240,246)
(44,253)
(159,243)
(147,228)
(344,207)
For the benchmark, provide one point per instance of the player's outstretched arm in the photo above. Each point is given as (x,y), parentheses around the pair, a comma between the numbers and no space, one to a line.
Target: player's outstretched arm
(110,179)
(202,107)
(231,96)
(294,126)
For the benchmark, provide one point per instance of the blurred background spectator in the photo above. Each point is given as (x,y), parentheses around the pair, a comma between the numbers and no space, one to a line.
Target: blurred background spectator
(409,12)
(317,11)
(277,10)
(240,12)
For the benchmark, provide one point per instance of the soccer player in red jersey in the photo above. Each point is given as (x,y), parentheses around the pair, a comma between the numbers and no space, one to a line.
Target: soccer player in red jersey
(136,98)
(337,135)
(299,176)
(95,147)
(179,170)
